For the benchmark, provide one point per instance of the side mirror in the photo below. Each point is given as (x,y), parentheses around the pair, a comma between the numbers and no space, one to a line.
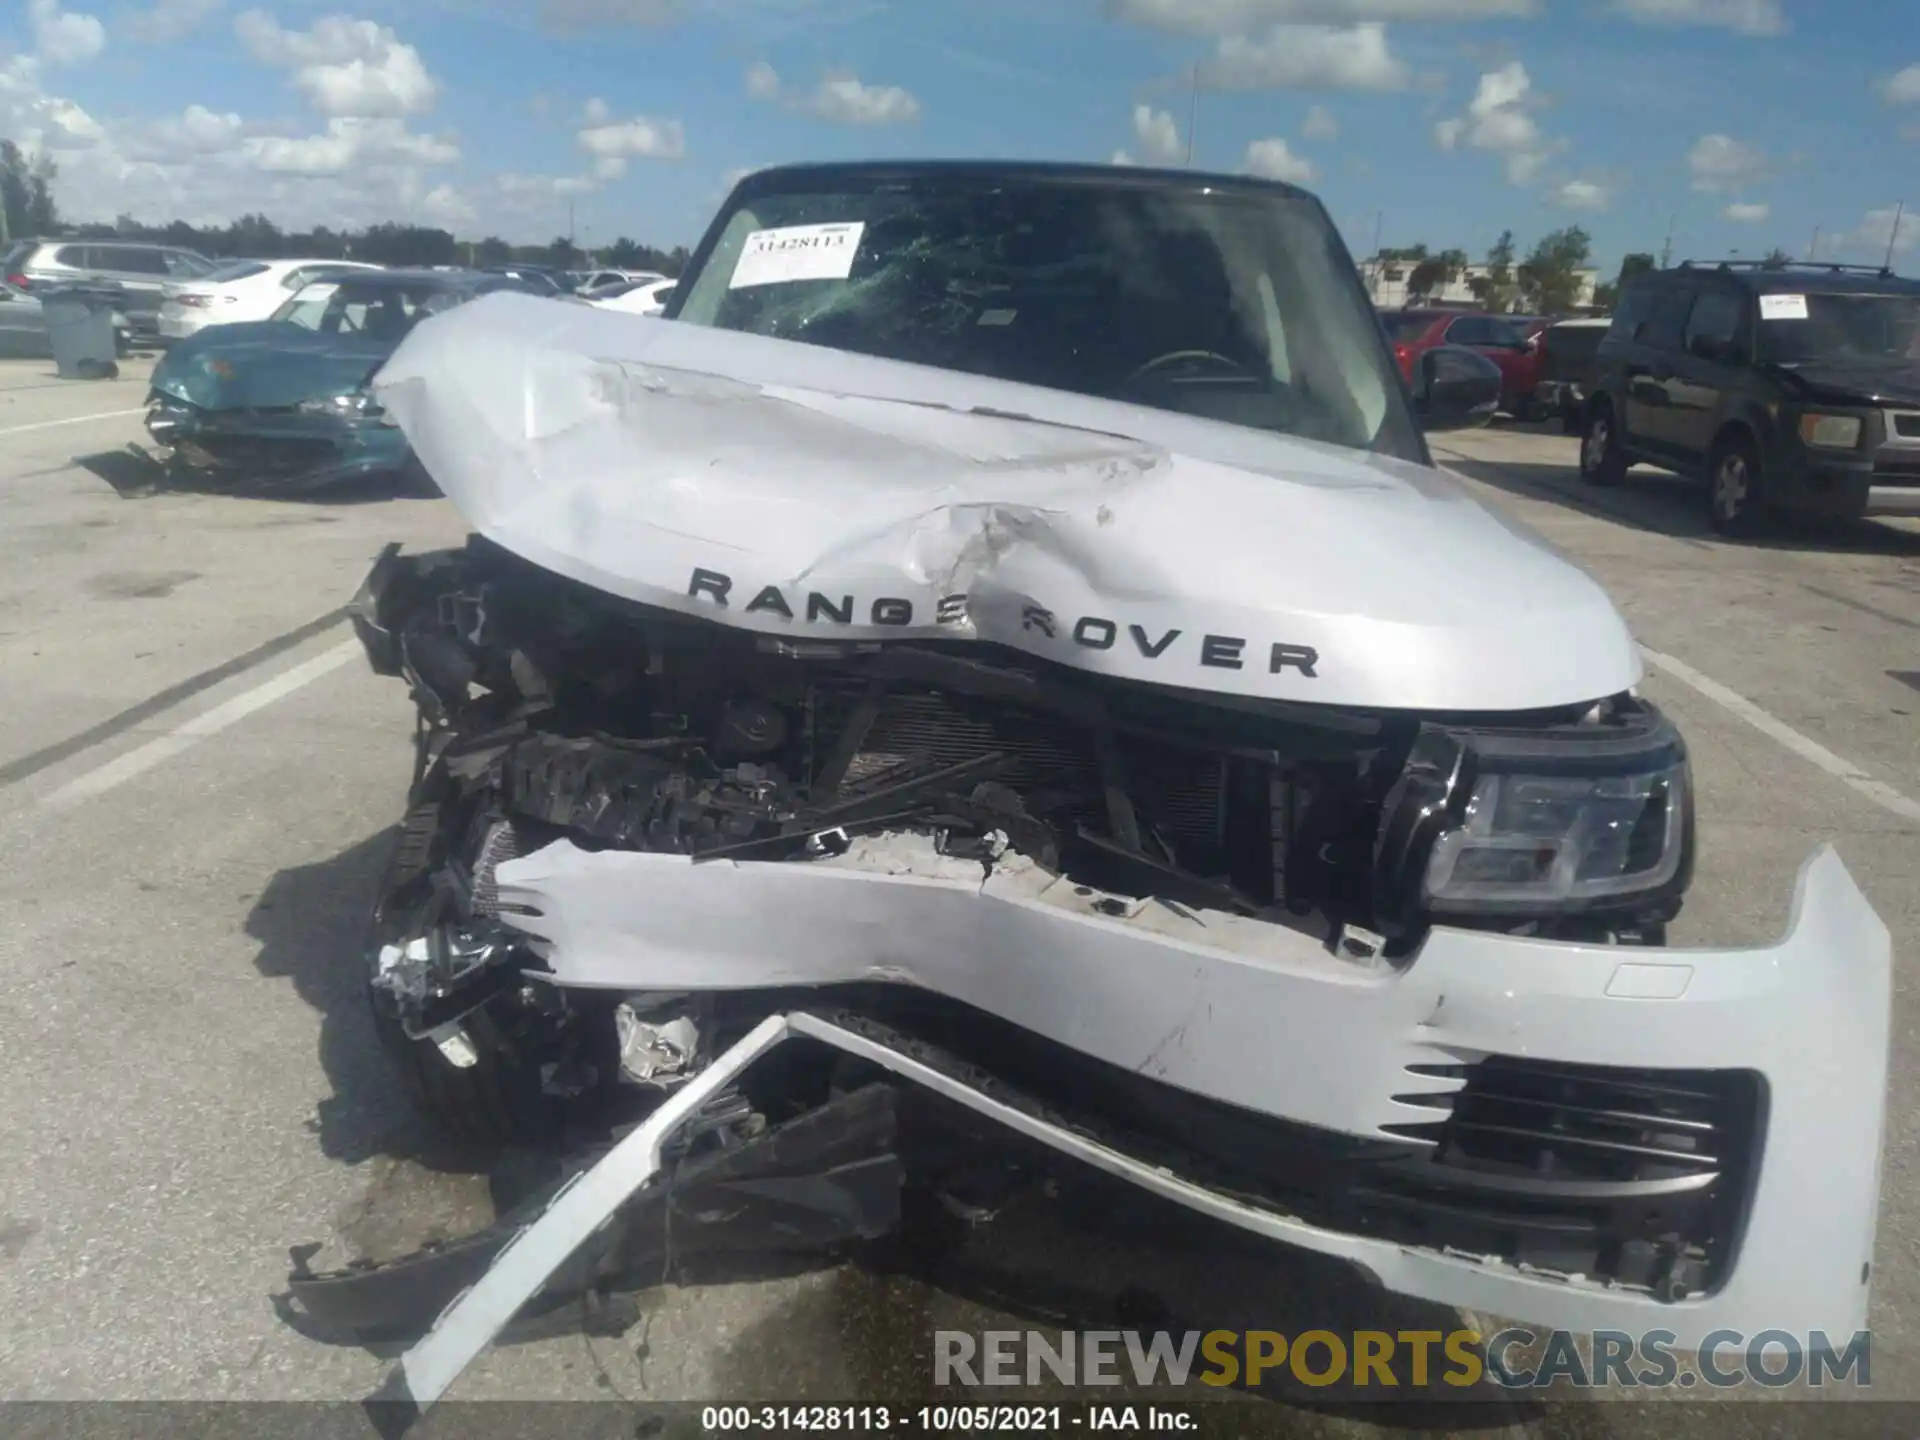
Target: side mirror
(1455,389)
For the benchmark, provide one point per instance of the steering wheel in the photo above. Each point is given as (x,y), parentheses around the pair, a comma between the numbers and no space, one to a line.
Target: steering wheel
(1160,362)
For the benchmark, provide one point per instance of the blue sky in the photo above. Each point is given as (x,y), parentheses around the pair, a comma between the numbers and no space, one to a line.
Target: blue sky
(1743,124)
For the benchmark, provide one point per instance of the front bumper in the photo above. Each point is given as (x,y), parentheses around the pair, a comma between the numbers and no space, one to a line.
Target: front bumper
(281,449)
(1268,1025)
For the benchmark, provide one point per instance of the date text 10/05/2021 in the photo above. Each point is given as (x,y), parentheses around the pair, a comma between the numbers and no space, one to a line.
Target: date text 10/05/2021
(984,1419)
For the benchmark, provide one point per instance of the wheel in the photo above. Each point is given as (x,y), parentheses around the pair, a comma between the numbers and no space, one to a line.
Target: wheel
(1735,504)
(1602,462)
(498,1100)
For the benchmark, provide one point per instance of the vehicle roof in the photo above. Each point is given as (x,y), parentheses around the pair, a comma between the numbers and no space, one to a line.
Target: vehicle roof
(442,279)
(1799,279)
(1050,172)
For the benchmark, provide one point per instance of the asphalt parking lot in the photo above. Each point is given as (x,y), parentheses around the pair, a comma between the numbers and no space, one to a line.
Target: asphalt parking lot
(198,776)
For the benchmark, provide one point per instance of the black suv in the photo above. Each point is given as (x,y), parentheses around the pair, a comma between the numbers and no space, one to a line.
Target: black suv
(1788,389)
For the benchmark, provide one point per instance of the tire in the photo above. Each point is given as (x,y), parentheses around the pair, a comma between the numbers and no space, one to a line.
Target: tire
(1602,461)
(1736,501)
(498,1101)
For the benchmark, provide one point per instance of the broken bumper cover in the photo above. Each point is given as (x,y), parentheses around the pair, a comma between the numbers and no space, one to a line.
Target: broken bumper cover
(280,448)
(1482,1076)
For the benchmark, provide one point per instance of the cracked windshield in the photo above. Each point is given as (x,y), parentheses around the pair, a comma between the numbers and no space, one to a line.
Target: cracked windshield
(729,716)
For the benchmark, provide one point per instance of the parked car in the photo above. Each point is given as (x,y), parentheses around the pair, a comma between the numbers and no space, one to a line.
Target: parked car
(242,290)
(1788,390)
(143,271)
(639,297)
(282,402)
(23,326)
(537,277)
(1566,352)
(1497,337)
(604,283)
(1008,641)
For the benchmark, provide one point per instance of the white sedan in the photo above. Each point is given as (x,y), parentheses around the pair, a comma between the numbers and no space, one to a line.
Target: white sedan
(242,290)
(646,298)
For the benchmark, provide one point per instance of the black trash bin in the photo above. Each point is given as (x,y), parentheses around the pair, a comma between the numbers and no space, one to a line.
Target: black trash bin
(86,345)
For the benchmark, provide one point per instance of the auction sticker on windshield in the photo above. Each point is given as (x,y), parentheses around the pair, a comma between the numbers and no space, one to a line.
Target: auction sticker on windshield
(798,252)
(1783,307)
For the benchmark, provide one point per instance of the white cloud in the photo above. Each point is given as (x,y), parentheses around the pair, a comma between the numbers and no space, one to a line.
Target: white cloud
(1237,17)
(1746,214)
(1306,57)
(348,143)
(844,100)
(1500,120)
(1320,124)
(1121,157)
(1158,135)
(1273,160)
(64,37)
(640,138)
(763,82)
(840,97)
(1743,17)
(1583,195)
(198,131)
(345,67)
(1720,162)
(541,185)
(1876,228)
(1902,88)
(168,20)
(596,111)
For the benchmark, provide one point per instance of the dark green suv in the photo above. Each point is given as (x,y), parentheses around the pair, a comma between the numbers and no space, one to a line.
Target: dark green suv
(1790,389)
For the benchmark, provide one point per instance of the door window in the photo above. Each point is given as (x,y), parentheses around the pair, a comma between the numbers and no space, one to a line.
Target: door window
(134,260)
(1667,320)
(1716,317)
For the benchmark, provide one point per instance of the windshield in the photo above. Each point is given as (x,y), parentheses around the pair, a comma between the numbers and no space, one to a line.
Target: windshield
(1233,306)
(1409,326)
(1796,329)
(379,312)
(238,270)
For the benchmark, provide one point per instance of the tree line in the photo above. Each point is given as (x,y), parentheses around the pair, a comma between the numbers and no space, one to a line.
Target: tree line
(26,187)
(1546,282)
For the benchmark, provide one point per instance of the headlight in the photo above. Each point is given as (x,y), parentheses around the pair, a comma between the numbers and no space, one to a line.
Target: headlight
(1830,432)
(1594,818)
(357,406)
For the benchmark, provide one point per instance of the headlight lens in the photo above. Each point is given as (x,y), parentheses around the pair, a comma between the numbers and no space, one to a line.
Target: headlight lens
(1546,839)
(1577,819)
(359,406)
(1830,432)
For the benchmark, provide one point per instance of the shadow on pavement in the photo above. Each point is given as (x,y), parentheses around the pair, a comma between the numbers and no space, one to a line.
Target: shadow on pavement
(133,474)
(1660,503)
(1103,1258)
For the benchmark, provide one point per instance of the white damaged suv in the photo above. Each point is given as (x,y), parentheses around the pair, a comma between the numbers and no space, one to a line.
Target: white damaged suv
(1002,637)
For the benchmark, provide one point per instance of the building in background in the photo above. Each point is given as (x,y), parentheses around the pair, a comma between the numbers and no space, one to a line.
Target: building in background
(1386,282)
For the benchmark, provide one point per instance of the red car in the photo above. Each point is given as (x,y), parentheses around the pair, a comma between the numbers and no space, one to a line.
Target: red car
(1500,338)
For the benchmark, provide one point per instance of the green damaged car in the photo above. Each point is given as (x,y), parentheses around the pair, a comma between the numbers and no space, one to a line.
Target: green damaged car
(282,403)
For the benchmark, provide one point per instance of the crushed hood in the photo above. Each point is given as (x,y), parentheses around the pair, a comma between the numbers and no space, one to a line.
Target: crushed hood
(265,365)
(818,495)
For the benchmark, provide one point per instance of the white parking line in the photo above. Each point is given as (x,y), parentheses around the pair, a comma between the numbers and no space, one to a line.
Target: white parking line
(189,733)
(1783,734)
(71,420)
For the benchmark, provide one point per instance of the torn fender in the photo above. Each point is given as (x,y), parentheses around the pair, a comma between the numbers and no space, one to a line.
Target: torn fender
(812,494)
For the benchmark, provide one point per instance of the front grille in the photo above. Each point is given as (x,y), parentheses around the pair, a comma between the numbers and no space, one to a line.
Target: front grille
(259,453)
(1907,423)
(1903,466)
(1052,764)
(1628,1174)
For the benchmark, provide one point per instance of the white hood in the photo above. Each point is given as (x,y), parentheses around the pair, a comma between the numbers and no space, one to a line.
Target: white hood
(815,495)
